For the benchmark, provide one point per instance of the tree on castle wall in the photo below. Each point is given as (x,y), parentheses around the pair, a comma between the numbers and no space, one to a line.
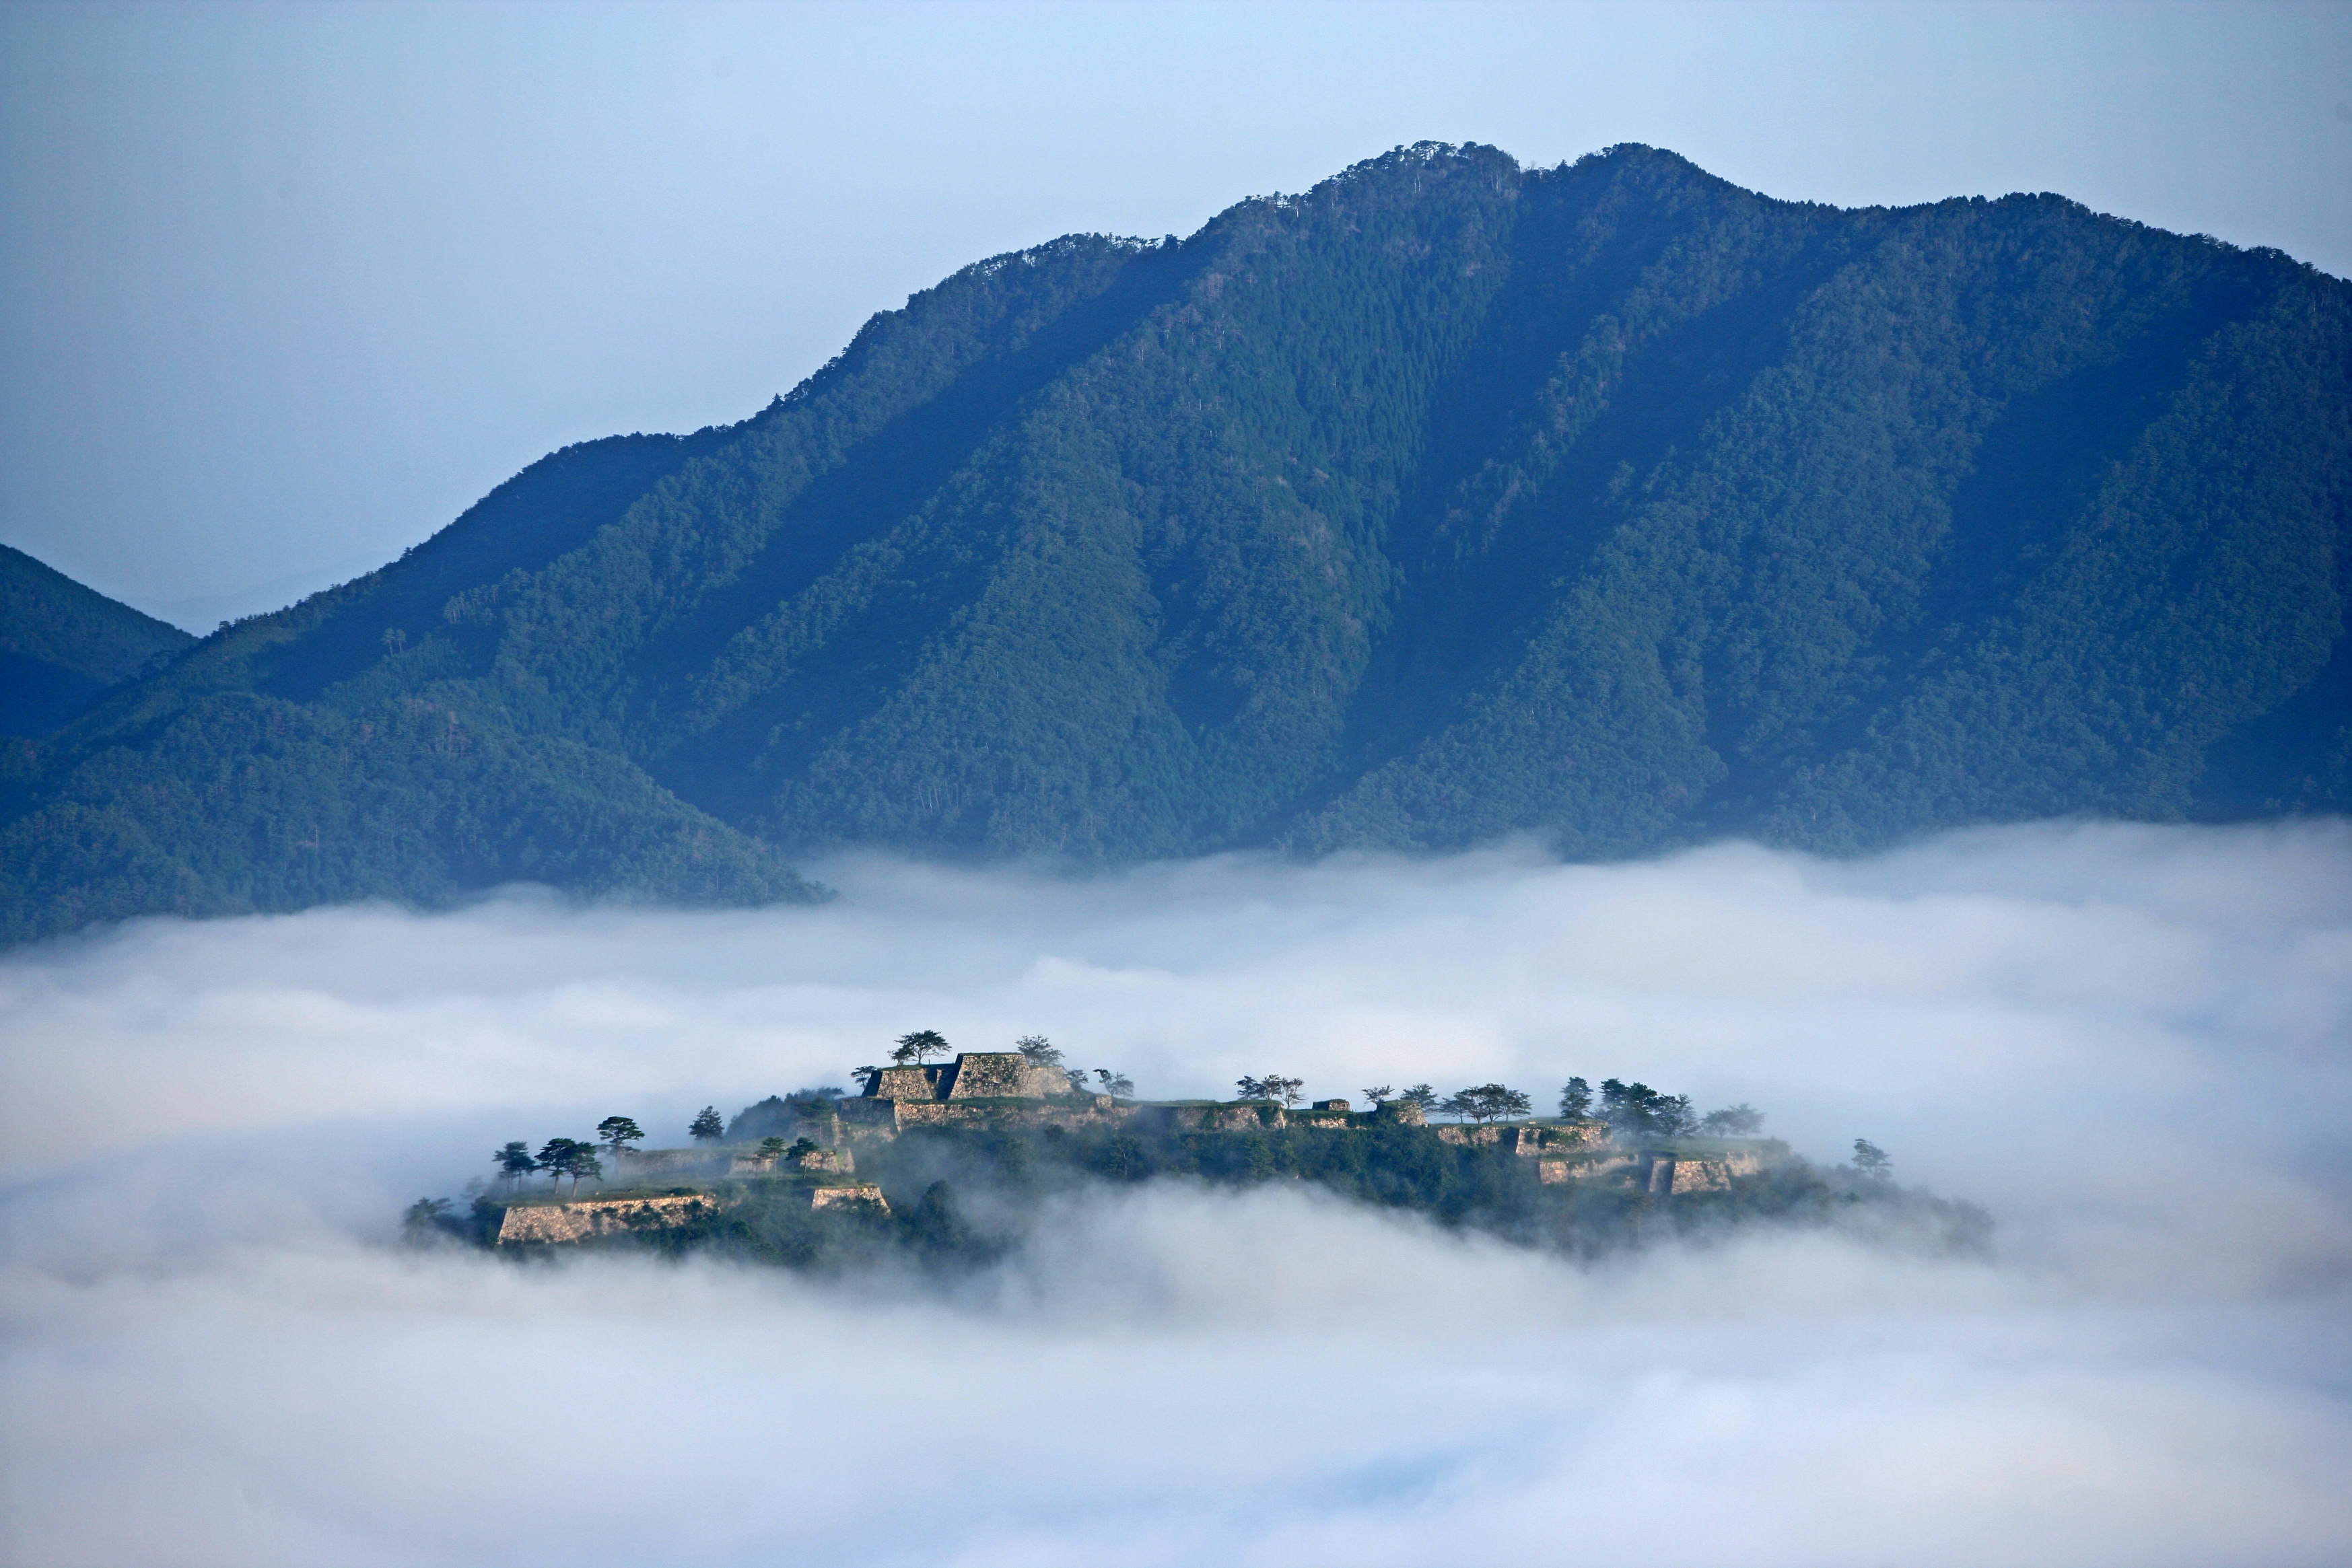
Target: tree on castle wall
(1484,1103)
(514,1163)
(569,1157)
(916,1048)
(617,1133)
(1273,1086)
(1575,1100)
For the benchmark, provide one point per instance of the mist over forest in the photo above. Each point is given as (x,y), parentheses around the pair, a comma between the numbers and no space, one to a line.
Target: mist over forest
(928,786)
(2123,1041)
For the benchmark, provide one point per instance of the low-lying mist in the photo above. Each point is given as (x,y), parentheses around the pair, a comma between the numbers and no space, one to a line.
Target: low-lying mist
(2128,1043)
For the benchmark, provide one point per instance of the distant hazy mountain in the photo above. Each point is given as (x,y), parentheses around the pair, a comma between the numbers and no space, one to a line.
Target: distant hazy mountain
(61,645)
(1445,500)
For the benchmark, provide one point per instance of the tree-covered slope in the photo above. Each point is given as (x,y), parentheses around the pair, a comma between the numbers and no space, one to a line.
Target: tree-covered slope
(61,645)
(1446,500)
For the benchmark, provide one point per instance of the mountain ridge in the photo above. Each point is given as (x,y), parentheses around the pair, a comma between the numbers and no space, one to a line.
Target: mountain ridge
(62,644)
(1445,500)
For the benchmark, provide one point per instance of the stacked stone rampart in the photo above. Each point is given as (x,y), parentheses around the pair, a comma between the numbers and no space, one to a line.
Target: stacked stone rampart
(824,1161)
(1530,1141)
(1243,1118)
(1092,1111)
(597,1217)
(1666,1172)
(848,1196)
(972,1075)
(907,1083)
(1002,1075)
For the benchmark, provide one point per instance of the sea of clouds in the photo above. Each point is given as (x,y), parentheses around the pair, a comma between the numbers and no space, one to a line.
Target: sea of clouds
(2132,1044)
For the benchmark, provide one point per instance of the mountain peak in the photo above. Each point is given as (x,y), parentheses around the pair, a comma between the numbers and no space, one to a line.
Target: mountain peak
(1447,501)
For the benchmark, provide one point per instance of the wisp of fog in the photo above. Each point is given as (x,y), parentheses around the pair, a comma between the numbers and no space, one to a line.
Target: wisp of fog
(2128,1043)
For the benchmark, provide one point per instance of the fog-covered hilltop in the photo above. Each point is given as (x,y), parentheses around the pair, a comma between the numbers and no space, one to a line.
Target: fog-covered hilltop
(1447,499)
(960,1164)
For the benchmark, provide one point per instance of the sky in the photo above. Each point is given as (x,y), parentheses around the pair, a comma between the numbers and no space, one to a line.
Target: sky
(2127,1042)
(284,287)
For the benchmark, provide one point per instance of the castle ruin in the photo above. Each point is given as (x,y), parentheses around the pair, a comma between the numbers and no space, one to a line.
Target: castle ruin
(1005,1090)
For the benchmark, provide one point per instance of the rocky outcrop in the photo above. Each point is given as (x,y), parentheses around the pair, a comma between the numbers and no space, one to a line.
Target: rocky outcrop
(598,1217)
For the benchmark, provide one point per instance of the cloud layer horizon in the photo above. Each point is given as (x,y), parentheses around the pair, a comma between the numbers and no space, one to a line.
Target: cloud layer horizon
(2129,1043)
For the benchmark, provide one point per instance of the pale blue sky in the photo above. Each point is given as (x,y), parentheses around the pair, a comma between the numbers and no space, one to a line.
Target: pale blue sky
(284,287)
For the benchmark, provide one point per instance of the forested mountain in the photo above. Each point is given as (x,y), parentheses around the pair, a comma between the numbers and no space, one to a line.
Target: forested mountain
(1447,499)
(61,645)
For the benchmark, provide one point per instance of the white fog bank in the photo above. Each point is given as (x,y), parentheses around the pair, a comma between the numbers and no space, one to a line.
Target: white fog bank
(2129,1043)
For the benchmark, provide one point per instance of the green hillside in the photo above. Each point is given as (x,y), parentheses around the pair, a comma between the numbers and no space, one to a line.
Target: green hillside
(1448,500)
(61,645)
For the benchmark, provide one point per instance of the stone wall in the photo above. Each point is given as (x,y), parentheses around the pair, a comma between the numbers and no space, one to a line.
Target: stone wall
(596,1217)
(1003,1076)
(1530,1142)
(837,1162)
(1696,1175)
(1711,1174)
(1215,1118)
(907,1083)
(1551,1166)
(848,1196)
(1074,1110)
